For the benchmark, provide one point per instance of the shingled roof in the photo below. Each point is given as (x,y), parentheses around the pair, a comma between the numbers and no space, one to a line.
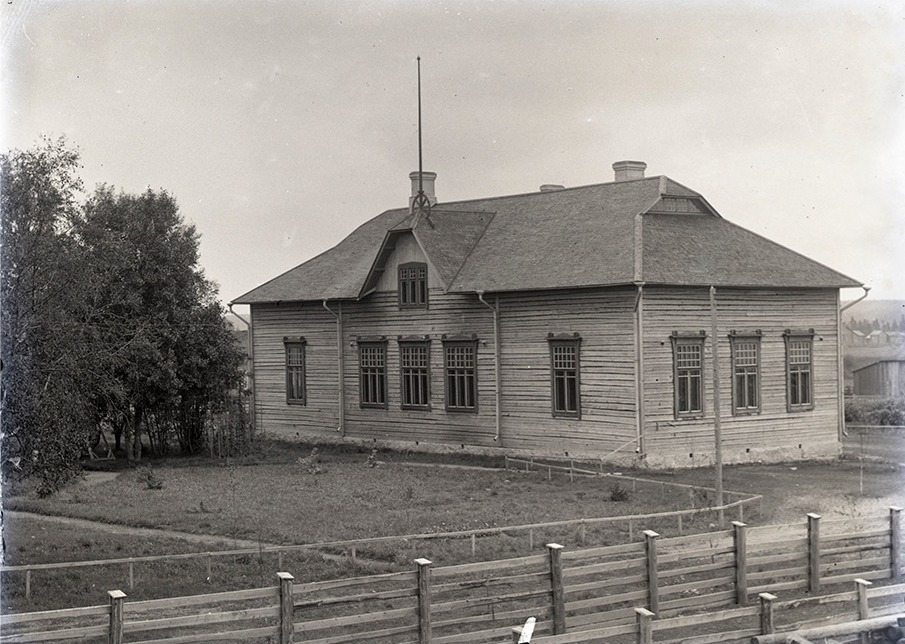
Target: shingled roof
(653,230)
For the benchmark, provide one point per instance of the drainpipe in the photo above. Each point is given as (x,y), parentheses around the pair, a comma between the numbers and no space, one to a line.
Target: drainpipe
(639,368)
(841,366)
(250,349)
(717,420)
(496,359)
(339,365)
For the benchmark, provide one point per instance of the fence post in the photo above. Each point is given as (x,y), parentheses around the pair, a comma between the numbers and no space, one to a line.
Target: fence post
(645,620)
(115,635)
(813,552)
(559,605)
(28,584)
(209,573)
(895,542)
(653,587)
(861,587)
(131,575)
(766,613)
(424,600)
(286,607)
(740,542)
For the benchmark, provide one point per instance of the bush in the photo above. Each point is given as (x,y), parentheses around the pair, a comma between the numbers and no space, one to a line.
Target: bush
(884,411)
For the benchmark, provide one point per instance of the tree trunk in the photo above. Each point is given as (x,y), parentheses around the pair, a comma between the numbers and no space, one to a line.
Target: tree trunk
(136,435)
(126,430)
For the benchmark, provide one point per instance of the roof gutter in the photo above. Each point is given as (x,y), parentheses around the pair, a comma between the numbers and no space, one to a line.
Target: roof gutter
(250,350)
(339,365)
(851,304)
(495,307)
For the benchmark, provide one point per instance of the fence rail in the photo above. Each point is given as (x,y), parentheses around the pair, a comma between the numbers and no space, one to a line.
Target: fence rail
(354,547)
(597,589)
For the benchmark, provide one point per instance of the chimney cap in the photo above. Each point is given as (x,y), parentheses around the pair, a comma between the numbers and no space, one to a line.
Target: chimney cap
(629,170)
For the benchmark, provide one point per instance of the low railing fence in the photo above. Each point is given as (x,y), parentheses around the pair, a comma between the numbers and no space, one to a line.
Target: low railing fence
(593,589)
(585,531)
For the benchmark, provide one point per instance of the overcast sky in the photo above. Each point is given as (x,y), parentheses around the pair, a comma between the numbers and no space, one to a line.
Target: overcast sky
(281,126)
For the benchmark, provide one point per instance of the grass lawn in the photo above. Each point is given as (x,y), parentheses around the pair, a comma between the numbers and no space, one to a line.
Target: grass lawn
(283,503)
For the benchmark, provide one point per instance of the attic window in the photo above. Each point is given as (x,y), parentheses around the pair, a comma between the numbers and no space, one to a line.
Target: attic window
(413,285)
(678,205)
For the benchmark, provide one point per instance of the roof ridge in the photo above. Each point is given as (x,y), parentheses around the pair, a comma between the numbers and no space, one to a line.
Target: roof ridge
(553,192)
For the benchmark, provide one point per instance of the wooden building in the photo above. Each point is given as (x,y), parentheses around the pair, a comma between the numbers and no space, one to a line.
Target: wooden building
(882,378)
(568,321)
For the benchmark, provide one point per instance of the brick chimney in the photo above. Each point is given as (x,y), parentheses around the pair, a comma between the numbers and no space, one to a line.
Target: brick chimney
(427,184)
(629,170)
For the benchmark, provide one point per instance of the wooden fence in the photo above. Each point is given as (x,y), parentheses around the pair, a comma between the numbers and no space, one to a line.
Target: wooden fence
(594,589)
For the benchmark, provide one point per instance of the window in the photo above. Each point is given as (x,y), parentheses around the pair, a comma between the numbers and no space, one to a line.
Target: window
(372,357)
(413,285)
(564,369)
(799,358)
(461,389)
(745,373)
(414,362)
(295,370)
(688,359)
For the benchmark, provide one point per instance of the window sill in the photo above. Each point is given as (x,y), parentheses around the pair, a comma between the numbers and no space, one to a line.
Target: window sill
(372,405)
(746,412)
(802,408)
(415,407)
(460,410)
(567,415)
(297,403)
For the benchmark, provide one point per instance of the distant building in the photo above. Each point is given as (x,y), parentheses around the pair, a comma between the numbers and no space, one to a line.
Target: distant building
(881,378)
(567,322)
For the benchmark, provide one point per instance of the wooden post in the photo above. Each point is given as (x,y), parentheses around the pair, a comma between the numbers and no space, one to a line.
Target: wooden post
(286,607)
(741,512)
(209,574)
(557,598)
(131,575)
(424,600)
(679,518)
(505,462)
(582,532)
(353,555)
(863,608)
(653,587)
(740,543)
(474,546)
(895,542)
(645,620)
(766,613)
(631,531)
(813,552)
(530,538)
(279,559)
(28,584)
(115,635)
(861,586)
(717,420)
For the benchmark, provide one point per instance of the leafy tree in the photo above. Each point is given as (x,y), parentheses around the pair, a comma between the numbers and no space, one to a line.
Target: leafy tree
(47,366)
(105,314)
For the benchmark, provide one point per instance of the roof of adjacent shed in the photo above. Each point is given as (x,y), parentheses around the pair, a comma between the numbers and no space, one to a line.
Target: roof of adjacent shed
(573,237)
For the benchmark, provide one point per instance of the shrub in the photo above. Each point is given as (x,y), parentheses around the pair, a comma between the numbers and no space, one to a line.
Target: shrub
(883,411)
(618,494)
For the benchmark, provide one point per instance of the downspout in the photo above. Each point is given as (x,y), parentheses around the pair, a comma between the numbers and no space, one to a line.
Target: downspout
(496,360)
(717,420)
(251,359)
(639,369)
(339,365)
(841,366)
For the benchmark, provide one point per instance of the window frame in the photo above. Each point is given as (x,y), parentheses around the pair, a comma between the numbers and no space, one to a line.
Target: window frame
(680,339)
(735,340)
(470,342)
(573,342)
(290,343)
(790,337)
(420,286)
(408,344)
(381,373)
